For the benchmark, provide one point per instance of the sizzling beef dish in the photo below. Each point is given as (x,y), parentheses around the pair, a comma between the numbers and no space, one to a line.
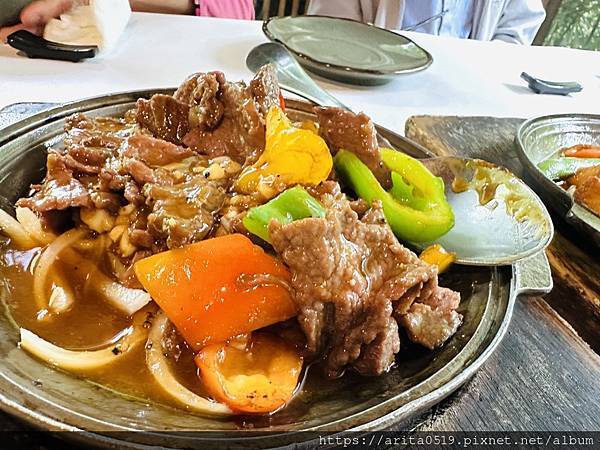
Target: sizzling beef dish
(200,250)
(577,169)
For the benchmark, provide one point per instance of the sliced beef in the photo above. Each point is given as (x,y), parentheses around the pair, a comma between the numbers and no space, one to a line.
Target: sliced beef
(377,356)
(201,92)
(105,200)
(265,89)
(154,152)
(223,141)
(212,116)
(349,274)
(184,212)
(59,190)
(187,91)
(241,131)
(139,171)
(430,326)
(356,133)
(165,117)
(107,164)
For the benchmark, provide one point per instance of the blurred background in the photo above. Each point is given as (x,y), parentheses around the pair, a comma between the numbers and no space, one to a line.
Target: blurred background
(569,23)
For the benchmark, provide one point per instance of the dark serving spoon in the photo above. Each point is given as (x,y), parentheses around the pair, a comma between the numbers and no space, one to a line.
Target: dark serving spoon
(499,219)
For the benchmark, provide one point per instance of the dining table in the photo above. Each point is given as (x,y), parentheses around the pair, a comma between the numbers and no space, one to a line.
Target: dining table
(545,375)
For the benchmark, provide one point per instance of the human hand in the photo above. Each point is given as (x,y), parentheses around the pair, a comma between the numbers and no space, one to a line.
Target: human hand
(36,15)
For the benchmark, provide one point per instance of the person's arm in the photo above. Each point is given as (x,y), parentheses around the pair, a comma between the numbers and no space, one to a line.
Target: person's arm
(166,7)
(520,21)
(36,15)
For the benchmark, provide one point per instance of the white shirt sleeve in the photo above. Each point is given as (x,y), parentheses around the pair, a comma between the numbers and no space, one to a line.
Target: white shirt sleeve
(520,21)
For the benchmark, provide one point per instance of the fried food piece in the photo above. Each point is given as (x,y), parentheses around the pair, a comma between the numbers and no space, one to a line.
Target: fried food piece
(587,187)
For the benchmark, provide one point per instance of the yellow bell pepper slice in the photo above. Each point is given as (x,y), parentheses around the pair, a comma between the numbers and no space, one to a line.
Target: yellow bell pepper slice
(437,255)
(292,156)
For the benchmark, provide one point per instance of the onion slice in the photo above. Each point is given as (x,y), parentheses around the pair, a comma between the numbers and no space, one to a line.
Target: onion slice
(31,223)
(80,360)
(15,231)
(126,300)
(161,371)
(45,263)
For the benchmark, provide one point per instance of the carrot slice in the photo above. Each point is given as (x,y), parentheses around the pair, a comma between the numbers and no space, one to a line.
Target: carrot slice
(583,151)
(256,376)
(218,288)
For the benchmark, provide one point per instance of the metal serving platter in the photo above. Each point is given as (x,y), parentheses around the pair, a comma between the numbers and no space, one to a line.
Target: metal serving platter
(539,139)
(53,400)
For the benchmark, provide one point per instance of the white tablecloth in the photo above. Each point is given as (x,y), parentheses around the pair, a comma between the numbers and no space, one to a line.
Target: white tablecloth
(466,78)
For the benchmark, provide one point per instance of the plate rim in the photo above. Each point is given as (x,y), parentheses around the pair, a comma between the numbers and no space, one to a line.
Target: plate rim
(346,69)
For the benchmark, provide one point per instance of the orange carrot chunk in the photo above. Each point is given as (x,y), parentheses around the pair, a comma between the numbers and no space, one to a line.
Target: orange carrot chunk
(217,288)
(583,151)
(259,375)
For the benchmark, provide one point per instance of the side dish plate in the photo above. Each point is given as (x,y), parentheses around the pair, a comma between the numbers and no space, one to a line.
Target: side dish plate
(53,400)
(347,50)
(541,138)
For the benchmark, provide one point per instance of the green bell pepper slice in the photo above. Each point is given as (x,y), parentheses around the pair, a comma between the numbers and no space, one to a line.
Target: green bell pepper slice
(561,168)
(293,204)
(415,207)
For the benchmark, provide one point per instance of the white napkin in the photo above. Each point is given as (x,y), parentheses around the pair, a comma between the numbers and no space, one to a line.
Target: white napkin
(93,22)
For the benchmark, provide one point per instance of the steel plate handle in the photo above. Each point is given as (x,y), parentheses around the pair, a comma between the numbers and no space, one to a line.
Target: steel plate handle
(533,275)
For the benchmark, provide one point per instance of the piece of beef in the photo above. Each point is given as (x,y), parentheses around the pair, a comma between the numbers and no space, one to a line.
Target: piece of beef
(348,274)
(225,140)
(265,88)
(78,174)
(154,152)
(59,190)
(183,212)
(165,117)
(201,92)
(105,200)
(241,132)
(185,93)
(139,171)
(356,133)
(376,356)
(430,326)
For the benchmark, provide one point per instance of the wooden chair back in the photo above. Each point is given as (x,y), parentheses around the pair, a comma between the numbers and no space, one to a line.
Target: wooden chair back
(282,8)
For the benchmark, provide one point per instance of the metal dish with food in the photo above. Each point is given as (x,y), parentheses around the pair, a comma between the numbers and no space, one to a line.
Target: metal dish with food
(347,50)
(127,383)
(558,152)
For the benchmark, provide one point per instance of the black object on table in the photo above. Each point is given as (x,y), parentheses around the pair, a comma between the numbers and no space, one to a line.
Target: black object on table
(38,47)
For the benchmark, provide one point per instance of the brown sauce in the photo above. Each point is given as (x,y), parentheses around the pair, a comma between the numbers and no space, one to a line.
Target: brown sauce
(90,324)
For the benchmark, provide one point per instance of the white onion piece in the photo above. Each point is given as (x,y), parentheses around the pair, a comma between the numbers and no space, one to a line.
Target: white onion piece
(15,231)
(80,360)
(126,300)
(45,263)
(161,371)
(61,299)
(31,223)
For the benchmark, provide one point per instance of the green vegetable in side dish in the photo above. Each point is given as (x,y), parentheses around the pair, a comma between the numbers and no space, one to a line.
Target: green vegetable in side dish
(561,168)
(415,207)
(292,204)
